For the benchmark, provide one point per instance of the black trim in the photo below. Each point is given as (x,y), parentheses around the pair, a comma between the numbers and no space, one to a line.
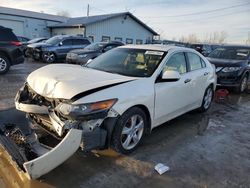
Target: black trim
(159,80)
(85,93)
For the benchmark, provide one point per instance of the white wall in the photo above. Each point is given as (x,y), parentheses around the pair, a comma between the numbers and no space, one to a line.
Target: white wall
(67,31)
(118,27)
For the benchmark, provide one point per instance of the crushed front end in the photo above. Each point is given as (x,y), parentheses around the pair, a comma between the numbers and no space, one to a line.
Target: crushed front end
(85,126)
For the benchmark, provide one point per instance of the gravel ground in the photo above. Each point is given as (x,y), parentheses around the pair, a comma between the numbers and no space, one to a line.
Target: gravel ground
(202,150)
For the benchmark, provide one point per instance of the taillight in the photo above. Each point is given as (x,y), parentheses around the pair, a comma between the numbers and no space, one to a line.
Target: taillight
(16,43)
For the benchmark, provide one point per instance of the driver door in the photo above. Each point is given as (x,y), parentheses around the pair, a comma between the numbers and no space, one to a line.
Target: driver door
(172,98)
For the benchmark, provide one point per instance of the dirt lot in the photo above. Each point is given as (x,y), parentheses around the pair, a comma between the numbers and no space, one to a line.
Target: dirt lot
(202,150)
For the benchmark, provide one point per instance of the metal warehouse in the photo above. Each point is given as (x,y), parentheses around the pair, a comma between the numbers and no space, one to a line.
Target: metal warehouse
(123,27)
(27,23)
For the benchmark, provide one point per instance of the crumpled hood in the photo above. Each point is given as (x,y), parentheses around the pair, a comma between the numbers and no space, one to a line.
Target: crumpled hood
(65,81)
(225,62)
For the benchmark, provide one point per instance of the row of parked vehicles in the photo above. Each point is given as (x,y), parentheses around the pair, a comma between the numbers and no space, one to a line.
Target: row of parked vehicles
(232,62)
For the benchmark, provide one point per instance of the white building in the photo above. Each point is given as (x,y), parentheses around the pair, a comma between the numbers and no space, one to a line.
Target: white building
(123,27)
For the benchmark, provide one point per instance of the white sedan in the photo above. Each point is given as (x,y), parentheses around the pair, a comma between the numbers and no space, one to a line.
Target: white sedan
(118,97)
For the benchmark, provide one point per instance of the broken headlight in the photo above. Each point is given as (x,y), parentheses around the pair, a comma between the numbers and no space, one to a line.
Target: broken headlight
(79,110)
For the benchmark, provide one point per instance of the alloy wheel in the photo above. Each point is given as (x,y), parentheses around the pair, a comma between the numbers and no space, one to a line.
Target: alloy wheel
(208,98)
(3,64)
(49,57)
(132,132)
(243,85)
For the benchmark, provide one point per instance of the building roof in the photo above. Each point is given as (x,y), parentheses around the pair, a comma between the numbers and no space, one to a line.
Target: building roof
(84,21)
(31,14)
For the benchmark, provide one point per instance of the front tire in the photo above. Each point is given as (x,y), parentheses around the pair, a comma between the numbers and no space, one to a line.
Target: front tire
(4,64)
(129,130)
(243,85)
(49,57)
(207,99)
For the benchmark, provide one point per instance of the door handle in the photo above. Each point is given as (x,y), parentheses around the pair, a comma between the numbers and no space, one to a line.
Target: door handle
(187,80)
(206,73)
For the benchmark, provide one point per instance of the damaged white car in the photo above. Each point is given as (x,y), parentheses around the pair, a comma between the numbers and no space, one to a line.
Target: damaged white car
(113,101)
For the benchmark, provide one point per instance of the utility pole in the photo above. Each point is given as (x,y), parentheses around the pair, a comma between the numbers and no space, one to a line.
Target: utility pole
(88,11)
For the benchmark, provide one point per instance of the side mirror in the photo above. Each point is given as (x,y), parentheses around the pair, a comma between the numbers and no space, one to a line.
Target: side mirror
(170,76)
(60,43)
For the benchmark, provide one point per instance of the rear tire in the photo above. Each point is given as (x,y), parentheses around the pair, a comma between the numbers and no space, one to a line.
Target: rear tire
(4,64)
(207,99)
(129,130)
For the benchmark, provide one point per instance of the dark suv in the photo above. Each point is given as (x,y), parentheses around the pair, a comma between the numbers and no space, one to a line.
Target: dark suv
(81,56)
(56,47)
(232,66)
(204,49)
(10,52)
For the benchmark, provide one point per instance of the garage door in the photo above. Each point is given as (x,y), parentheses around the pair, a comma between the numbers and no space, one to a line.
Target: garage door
(16,26)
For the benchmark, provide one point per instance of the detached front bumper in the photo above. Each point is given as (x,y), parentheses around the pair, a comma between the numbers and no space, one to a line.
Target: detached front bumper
(54,157)
(44,159)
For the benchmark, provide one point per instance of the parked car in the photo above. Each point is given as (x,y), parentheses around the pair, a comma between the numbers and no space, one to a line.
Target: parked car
(204,49)
(32,41)
(232,66)
(56,47)
(10,52)
(82,56)
(115,99)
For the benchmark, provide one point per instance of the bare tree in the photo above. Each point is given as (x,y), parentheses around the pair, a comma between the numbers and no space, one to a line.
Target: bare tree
(63,13)
(248,38)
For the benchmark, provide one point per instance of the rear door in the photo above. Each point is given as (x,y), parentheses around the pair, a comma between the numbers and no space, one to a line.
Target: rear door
(199,73)
(63,49)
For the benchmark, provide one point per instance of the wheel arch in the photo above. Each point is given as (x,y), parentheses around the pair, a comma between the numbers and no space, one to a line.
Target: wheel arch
(148,116)
(6,55)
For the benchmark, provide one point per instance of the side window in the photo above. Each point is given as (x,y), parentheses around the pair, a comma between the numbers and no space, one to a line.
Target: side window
(105,38)
(177,63)
(80,42)
(203,63)
(67,42)
(129,41)
(194,61)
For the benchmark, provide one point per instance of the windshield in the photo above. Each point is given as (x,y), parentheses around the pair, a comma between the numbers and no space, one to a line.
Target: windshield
(95,46)
(128,62)
(54,40)
(230,53)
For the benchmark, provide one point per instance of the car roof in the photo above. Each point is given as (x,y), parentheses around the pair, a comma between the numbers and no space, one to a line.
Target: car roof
(157,47)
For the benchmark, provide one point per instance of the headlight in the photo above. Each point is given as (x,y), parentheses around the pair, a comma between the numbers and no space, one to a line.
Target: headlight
(83,55)
(231,69)
(85,109)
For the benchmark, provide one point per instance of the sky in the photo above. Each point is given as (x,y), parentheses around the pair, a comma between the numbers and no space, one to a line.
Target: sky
(170,18)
